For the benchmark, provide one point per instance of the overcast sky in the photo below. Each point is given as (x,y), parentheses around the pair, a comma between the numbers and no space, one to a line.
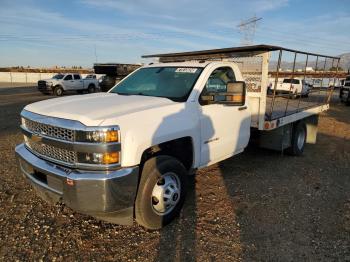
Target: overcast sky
(47,33)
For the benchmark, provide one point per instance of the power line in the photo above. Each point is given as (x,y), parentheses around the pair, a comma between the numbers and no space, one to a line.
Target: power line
(247,28)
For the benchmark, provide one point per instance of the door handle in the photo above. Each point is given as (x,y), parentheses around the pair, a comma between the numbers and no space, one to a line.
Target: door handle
(242,108)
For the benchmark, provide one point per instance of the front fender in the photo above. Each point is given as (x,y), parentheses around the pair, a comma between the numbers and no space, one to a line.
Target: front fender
(142,132)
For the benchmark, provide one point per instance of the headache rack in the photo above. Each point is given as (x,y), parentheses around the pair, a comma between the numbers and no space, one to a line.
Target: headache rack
(264,67)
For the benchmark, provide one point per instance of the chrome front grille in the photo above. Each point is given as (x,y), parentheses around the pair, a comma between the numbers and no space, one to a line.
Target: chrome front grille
(52,152)
(48,130)
(63,141)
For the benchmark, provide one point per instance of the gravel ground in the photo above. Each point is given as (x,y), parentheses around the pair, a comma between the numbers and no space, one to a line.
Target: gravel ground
(258,206)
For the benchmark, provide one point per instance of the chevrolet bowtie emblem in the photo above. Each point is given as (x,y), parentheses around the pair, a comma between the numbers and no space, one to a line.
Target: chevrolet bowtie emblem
(36,138)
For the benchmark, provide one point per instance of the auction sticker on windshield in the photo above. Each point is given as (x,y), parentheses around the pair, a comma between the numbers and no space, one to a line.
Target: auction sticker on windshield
(186,70)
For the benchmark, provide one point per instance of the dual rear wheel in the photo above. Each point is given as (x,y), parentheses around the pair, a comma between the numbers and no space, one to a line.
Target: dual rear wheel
(298,140)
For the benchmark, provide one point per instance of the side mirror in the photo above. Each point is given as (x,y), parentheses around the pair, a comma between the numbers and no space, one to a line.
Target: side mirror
(235,94)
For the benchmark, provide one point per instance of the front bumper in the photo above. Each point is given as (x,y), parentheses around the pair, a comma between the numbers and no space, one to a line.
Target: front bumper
(44,87)
(107,195)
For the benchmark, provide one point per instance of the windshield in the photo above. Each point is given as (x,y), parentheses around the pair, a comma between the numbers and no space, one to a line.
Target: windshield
(291,81)
(174,83)
(59,76)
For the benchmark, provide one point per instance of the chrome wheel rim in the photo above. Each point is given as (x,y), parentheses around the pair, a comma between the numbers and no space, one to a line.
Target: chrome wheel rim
(166,193)
(301,139)
(59,92)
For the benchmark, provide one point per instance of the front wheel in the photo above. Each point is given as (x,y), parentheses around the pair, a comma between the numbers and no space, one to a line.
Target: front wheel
(295,94)
(58,91)
(161,192)
(91,89)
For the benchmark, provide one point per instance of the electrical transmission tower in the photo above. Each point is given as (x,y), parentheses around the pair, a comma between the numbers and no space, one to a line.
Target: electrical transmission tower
(247,29)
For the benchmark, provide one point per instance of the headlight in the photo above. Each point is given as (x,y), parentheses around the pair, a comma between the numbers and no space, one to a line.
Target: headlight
(49,83)
(98,136)
(101,136)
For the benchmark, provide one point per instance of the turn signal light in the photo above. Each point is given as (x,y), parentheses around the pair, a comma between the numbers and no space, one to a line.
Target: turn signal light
(235,98)
(110,158)
(111,136)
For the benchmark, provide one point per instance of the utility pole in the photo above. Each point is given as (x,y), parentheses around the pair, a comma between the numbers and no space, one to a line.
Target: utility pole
(247,28)
(95,53)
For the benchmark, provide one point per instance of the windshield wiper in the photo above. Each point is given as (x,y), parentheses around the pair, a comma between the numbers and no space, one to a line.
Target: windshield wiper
(174,99)
(133,94)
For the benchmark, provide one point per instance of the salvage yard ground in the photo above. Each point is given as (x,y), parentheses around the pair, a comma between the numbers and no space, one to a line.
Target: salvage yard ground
(258,206)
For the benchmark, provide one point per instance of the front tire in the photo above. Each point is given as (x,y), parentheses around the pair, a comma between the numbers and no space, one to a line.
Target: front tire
(161,193)
(58,91)
(91,89)
(295,94)
(298,140)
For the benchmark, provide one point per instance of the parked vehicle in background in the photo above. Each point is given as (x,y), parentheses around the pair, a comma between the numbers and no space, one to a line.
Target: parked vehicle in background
(127,153)
(342,82)
(296,87)
(344,93)
(107,82)
(335,83)
(90,77)
(113,73)
(60,83)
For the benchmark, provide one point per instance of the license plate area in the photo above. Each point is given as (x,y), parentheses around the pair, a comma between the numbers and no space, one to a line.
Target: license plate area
(40,177)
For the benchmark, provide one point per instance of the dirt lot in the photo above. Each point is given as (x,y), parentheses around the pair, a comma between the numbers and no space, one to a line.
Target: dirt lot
(258,206)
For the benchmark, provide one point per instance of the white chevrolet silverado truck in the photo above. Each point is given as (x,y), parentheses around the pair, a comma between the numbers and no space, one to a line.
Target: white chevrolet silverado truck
(127,154)
(60,83)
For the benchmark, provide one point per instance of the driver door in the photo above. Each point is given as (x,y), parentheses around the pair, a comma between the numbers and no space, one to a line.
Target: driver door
(68,82)
(225,129)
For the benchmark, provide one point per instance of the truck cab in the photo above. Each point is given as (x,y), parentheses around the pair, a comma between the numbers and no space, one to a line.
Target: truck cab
(204,112)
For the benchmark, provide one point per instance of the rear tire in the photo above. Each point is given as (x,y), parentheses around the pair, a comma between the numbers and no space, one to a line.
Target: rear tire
(298,140)
(161,193)
(58,91)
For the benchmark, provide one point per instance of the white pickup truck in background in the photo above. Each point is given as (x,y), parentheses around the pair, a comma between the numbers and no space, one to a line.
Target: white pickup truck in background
(296,87)
(127,153)
(60,83)
(344,93)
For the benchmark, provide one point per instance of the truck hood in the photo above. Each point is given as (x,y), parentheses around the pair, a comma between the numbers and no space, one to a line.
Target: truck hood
(93,109)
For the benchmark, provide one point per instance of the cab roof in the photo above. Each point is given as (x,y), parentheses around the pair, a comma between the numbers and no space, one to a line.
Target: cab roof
(181,64)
